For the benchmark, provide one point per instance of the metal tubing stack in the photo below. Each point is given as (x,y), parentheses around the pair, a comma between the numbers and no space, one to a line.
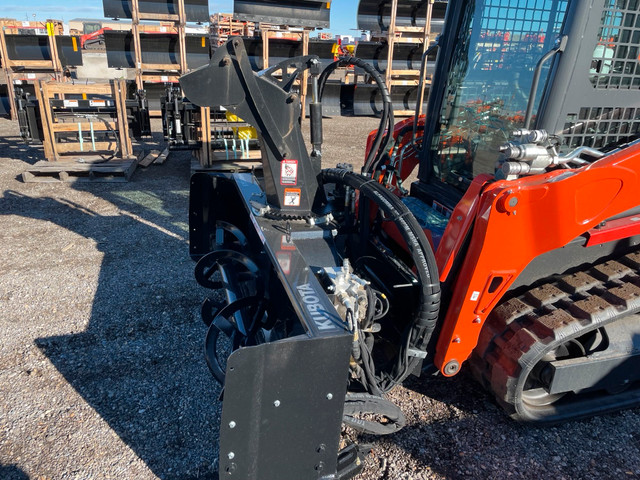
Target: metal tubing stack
(404,29)
(159,55)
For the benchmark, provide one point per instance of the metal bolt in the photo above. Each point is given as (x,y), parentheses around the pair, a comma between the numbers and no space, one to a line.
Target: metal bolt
(231,468)
(513,201)
(231,455)
(329,396)
(477,320)
(320,466)
(457,340)
(276,403)
(232,424)
(452,367)
(321,448)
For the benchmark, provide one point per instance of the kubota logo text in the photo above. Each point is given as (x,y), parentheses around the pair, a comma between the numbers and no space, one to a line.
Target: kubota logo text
(318,313)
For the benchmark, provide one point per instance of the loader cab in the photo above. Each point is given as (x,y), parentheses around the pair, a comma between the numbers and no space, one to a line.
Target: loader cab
(91,27)
(481,86)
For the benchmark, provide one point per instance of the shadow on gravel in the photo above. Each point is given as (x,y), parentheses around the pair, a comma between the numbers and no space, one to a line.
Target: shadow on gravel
(14,147)
(139,363)
(12,472)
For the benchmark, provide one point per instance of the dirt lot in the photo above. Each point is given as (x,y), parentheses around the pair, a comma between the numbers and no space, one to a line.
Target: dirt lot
(102,372)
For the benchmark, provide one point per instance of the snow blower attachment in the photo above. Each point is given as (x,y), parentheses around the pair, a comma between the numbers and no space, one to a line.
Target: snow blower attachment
(324,313)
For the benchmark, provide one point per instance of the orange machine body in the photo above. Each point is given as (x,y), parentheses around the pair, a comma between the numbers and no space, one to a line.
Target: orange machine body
(513,222)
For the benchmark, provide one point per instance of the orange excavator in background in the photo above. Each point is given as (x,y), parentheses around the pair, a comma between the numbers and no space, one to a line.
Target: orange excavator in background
(94,39)
(515,253)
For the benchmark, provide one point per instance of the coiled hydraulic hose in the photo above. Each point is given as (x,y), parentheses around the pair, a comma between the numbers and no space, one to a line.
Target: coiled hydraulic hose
(422,325)
(381,143)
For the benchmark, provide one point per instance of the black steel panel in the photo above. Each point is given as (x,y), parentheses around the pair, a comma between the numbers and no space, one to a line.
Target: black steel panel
(253,46)
(331,106)
(406,56)
(280,49)
(368,101)
(28,47)
(5,106)
(120,51)
(271,428)
(157,48)
(297,13)
(31,47)
(195,10)
(155,93)
(375,15)
(69,51)
(198,51)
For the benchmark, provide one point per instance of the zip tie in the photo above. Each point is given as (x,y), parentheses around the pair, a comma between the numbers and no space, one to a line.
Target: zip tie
(226,148)
(234,149)
(80,136)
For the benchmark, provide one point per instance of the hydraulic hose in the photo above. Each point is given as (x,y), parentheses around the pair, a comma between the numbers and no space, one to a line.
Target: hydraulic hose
(363,404)
(423,324)
(381,141)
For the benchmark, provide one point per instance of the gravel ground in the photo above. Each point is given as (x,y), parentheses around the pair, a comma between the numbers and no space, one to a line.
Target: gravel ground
(102,373)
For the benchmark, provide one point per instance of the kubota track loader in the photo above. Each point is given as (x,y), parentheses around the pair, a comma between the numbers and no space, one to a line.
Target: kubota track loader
(514,253)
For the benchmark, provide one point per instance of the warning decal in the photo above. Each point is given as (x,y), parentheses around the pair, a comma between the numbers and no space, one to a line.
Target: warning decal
(291,197)
(289,172)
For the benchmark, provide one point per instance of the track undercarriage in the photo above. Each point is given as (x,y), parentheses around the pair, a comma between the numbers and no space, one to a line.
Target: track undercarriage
(566,349)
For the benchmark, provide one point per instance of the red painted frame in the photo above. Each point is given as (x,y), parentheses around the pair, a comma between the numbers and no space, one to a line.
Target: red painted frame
(517,221)
(513,222)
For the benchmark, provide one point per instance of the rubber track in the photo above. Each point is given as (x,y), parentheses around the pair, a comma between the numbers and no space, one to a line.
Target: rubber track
(520,331)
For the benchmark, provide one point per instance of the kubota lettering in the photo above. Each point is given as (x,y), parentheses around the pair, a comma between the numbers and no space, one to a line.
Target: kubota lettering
(314,308)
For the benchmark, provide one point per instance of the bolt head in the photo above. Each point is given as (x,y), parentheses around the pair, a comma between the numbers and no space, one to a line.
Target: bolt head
(231,455)
(329,396)
(452,367)
(232,424)
(276,403)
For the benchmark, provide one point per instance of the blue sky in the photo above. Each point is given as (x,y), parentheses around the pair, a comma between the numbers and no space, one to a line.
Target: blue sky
(343,12)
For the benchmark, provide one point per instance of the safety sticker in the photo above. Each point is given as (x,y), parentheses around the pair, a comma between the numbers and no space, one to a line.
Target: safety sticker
(292,197)
(70,103)
(289,172)
(475,296)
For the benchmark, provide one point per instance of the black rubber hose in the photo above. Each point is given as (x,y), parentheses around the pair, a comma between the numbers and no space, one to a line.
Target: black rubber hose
(387,120)
(365,404)
(424,323)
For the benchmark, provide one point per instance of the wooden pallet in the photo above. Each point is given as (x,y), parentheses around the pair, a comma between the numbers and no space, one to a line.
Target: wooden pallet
(154,156)
(71,172)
